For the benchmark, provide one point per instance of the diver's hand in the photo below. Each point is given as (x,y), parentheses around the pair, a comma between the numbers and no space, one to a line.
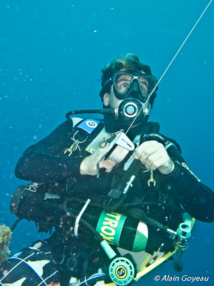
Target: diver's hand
(154,156)
(89,164)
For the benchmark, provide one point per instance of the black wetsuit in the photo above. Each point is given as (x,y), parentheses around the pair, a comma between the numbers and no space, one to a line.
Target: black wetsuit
(47,163)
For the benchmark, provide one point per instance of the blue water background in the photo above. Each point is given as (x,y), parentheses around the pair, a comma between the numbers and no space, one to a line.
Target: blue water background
(51,54)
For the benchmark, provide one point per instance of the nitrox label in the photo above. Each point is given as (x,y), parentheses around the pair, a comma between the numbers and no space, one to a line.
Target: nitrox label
(110,226)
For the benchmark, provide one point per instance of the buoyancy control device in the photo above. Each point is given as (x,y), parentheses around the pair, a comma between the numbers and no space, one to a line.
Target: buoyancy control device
(110,227)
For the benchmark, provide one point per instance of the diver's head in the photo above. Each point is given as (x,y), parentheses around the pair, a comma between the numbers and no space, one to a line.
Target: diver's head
(129,86)
(127,77)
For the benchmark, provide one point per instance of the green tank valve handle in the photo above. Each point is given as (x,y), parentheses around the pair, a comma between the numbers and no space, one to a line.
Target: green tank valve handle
(181,240)
(184,232)
(121,269)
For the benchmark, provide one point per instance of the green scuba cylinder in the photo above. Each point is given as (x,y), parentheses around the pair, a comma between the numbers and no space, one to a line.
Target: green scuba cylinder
(122,231)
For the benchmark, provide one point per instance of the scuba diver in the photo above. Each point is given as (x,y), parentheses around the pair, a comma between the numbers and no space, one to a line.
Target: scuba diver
(114,193)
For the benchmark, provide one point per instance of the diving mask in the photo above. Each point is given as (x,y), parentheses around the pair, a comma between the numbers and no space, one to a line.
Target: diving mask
(132,83)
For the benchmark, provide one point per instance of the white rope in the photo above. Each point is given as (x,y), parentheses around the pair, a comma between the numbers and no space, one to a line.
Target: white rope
(178,51)
(76,225)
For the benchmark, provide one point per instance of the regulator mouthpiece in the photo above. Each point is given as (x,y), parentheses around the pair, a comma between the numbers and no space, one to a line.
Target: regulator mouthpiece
(132,110)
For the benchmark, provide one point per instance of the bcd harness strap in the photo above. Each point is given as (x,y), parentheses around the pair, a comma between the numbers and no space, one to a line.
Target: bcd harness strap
(87,135)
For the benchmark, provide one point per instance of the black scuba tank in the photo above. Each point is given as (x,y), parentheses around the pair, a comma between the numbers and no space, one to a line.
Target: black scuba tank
(123,231)
(119,230)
